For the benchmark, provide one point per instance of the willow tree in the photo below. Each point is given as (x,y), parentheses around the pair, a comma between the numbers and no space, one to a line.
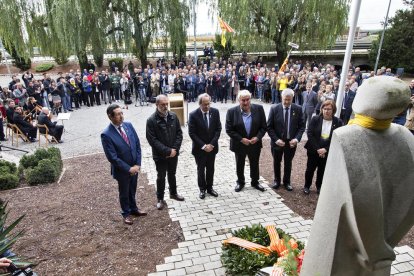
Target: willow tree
(138,22)
(265,24)
(12,14)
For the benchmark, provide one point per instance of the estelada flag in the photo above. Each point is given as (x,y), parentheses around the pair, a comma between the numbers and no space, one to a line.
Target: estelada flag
(224,26)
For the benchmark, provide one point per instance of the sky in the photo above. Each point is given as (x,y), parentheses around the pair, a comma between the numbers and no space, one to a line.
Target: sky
(371,14)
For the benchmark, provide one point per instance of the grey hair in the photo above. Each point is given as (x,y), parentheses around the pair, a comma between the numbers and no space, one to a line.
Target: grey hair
(201,96)
(159,97)
(288,92)
(45,108)
(243,93)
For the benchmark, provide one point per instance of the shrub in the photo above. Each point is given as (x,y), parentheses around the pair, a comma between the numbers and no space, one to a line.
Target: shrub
(44,166)
(44,67)
(8,175)
(8,181)
(12,168)
(118,61)
(239,261)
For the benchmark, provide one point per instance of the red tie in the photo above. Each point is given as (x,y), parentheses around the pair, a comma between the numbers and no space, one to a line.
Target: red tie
(124,136)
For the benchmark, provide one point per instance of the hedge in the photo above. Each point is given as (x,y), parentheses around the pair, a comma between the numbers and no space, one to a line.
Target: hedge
(118,61)
(44,166)
(44,67)
(8,175)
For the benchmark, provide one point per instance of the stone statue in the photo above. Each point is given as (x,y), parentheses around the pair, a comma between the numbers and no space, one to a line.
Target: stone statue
(366,204)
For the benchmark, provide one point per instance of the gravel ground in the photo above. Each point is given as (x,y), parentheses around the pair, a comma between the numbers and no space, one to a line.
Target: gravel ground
(304,205)
(74,227)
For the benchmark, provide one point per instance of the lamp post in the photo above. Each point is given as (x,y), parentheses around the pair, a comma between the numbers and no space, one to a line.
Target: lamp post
(382,39)
(195,33)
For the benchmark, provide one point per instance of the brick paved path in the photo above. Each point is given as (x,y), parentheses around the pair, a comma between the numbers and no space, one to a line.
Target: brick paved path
(207,222)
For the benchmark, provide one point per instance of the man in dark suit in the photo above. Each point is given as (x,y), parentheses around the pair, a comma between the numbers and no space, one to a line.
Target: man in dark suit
(285,126)
(54,129)
(310,100)
(246,126)
(10,111)
(204,128)
(165,136)
(123,150)
(27,128)
(346,110)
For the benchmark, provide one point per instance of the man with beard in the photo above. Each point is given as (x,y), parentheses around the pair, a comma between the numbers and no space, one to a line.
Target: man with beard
(165,137)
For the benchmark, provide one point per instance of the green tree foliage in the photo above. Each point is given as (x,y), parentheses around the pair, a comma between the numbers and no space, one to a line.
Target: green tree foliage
(63,27)
(262,25)
(398,45)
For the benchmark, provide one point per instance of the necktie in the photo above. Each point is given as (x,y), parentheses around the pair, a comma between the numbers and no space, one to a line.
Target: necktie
(286,123)
(205,119)
(124,136)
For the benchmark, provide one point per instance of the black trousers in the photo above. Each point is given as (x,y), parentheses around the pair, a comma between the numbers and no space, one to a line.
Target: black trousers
(254,156)
(166,167)
(98,97)
(1,130)
(127,187)
(205,170)
(278,153)
(30,132)
(57,132)
(314,162)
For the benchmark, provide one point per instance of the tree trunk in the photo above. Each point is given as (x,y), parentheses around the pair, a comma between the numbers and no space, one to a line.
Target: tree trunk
(83,59)
(140,45)
(98,58)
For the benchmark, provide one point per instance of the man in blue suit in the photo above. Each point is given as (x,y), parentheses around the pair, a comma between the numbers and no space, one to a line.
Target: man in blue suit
(123,150)
(346,110)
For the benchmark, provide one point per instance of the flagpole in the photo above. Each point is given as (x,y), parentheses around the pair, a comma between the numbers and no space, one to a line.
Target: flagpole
(356,4)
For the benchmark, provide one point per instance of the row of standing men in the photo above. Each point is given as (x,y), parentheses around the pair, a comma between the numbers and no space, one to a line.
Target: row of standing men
(246,126)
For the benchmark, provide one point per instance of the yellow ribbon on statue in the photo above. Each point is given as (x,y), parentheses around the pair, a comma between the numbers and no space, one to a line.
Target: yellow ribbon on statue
(369,122)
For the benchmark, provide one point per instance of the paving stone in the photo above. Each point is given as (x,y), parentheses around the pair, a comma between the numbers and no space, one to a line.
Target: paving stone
(176,272)
(212,265)
(194,269)
(165,267)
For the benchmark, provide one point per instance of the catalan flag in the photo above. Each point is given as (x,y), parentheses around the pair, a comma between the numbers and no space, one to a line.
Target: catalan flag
(224,28)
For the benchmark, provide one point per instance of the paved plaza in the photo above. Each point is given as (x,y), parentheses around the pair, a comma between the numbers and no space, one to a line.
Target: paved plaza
(205,223)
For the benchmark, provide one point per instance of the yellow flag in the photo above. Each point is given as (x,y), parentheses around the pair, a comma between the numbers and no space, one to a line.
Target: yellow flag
(223,39)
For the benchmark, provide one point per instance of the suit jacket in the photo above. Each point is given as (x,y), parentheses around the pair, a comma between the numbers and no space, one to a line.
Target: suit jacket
(200,134)
(309,102)
(44,119)
(236,130)
(314,133)
(121,155)
(348,100)
(276,123)
(18,119)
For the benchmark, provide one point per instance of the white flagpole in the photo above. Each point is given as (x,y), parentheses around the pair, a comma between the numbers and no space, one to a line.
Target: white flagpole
(356,4)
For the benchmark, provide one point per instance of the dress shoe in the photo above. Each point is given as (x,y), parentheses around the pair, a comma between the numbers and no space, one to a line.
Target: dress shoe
(202,194)
(160,204)
(306,191)
(259,187)
(239,187)
(128,220)
(212,192)
(288,187)
(276,185)
(177,197)
(138,213)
